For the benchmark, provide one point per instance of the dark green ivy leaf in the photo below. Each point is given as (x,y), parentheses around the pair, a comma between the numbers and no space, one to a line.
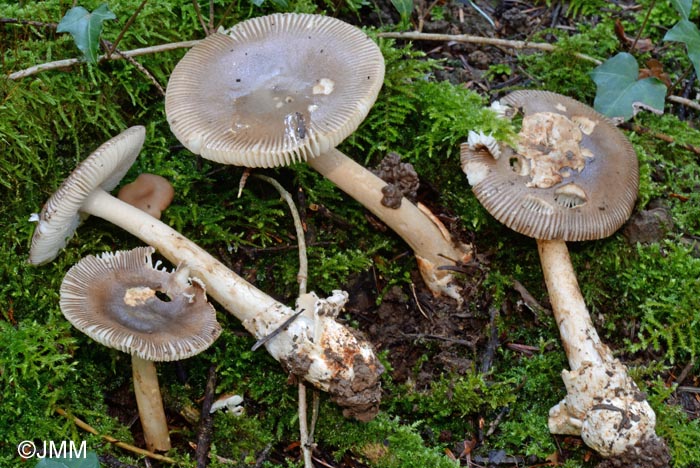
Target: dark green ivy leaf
(682,7)
(620,93)
(88,461)
(85,27)
(686,32)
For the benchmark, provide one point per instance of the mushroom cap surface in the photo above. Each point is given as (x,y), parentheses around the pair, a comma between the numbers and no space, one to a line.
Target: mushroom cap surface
(149,192)
(274,90)
(103,169)
(112,299)
(573,176)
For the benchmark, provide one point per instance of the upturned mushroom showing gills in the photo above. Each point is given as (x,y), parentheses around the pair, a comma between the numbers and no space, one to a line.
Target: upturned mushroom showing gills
(337,361)
(112,299)
(285,88)
(573,176)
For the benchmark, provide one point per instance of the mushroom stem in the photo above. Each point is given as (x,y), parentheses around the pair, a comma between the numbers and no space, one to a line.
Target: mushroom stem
(579,337)
(603,404)
(150,404)
(317,361)
(425,235)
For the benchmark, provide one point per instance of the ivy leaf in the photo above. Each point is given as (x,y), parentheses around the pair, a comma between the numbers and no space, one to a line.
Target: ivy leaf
(85,27)
(682,7)
(88,461)
(686,32)
(620,94)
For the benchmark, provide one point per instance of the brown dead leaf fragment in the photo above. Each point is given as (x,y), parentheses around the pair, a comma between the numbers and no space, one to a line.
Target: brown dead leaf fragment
(639,45)
(656,70)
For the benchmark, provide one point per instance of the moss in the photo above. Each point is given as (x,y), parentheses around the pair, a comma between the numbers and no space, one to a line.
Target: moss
(643,298)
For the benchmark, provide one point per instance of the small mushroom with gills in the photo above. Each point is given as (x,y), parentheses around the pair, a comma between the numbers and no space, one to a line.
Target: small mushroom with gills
(113,299)
(290,87)
(149,192)
(572,177)
(353,381)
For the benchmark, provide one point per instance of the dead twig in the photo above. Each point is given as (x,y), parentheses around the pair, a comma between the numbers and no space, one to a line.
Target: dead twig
(505,43)
(415,297)
(143,70)
(38,24)
(74,61)
(206,421)
(529,301)
(305,434)
(139,451)
(659,136)
(128,24)
(198,11)
(492,345)
(425,336)
(111,461)
(467,38)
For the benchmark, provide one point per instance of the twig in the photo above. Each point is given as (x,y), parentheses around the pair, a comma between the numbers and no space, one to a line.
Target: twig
(644,25)
(38,24)
(199,16)
(685,101)
(528,300)
(661,136)
(86,427)
(494,424)
(277,331)
(415,297)
(492,344)
(303,263)
(225,15)
(206,421)
(263,456)
(686,370)
(211,16)
(129,22)
(111,461)
(467,38)
(687,389)
(145,71)
(74,61)
(305,435)
(425,336)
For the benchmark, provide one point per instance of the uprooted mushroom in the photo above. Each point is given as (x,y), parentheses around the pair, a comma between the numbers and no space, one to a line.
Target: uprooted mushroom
(331,358)
(572,177)
(112,299)
(290,87)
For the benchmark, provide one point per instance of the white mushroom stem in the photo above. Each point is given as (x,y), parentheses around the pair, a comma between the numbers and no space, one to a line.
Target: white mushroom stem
(338,363)
(426,235)
(603,404)
(150,404)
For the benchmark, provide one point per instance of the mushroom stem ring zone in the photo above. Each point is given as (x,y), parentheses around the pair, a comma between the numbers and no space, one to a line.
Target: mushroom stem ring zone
(352,381)
(286,88)
(572,176)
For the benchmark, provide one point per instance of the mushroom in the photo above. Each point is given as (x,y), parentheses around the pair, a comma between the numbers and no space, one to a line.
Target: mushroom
(113,299)
(290,87)
(339,362)
(572,177)
(149,192)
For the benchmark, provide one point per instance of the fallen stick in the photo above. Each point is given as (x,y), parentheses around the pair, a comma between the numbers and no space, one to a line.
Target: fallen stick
(139,451)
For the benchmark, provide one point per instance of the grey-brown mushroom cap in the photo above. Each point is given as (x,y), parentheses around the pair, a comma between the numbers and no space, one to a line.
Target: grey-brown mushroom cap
(60,215)
(587,193)
(274,90)
(113,300)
